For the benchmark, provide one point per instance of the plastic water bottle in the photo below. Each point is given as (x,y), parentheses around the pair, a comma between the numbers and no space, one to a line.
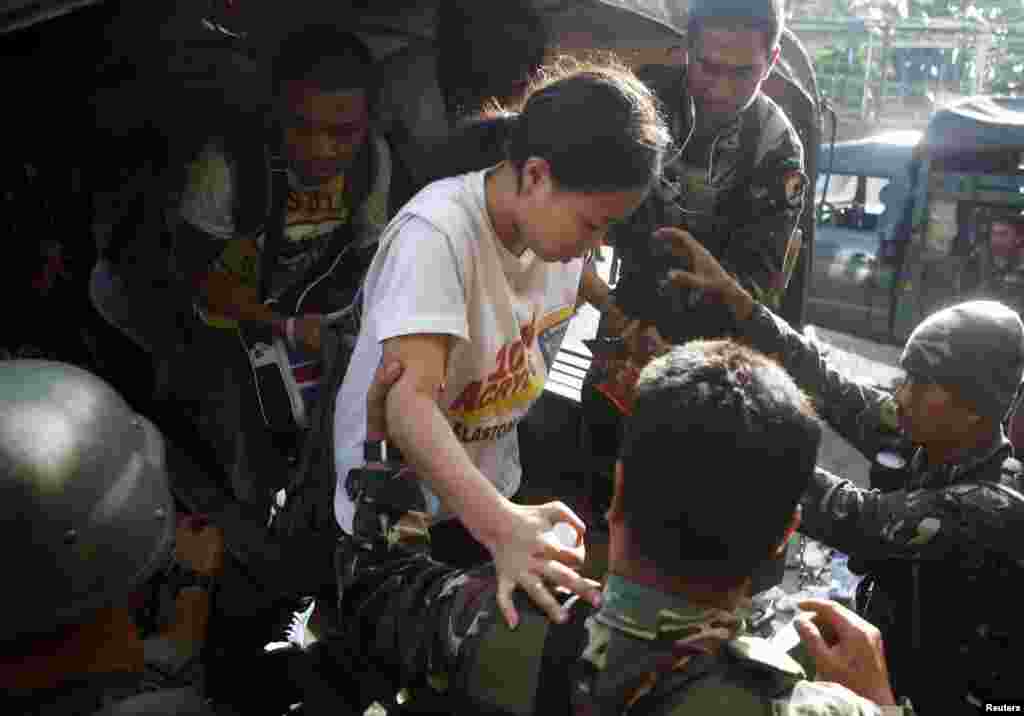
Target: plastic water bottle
(563,533)
(844,583)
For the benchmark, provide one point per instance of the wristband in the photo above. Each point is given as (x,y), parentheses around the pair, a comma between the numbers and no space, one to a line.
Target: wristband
(379,450)
(289,331)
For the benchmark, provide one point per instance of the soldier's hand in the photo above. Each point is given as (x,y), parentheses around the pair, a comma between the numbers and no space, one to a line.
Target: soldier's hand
(846,649)
(644,341)
(615,320)
(386,376)
(525,555)
(704,273)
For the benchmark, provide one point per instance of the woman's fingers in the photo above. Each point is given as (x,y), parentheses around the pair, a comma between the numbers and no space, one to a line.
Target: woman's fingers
(504,598)
(543,597)
(558,574)
(538,592)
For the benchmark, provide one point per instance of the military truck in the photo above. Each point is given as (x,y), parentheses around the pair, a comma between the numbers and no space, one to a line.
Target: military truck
(87,79)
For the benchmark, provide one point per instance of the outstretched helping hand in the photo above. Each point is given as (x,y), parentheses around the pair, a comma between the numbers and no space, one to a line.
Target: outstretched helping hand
(704,272)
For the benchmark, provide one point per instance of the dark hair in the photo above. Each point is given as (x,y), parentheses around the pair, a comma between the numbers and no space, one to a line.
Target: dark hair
(596,124)
(764,15)
(324,55)
(717,453)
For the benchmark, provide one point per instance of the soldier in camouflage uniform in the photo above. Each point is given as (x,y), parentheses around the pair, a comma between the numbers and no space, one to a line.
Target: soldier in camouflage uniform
(738,181)
(669,635)
(737,184)
(943,551)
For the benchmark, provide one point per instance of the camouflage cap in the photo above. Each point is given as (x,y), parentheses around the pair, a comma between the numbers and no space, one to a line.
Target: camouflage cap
(976,347)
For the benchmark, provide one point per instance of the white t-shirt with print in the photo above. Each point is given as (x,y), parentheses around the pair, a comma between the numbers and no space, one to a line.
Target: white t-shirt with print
(441,269)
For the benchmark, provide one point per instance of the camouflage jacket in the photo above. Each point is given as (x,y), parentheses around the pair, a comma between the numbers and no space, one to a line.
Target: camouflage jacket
(941,551)
(644,652)
(743,202)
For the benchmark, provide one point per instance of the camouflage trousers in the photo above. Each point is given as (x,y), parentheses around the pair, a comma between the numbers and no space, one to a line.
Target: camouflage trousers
(413,618)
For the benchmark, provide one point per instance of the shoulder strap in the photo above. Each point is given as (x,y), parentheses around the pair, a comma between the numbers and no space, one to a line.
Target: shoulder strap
(274,236)
(357,191)
(750,135)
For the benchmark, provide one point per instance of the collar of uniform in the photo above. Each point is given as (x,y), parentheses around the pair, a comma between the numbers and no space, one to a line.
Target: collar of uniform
(959,465)
(650,614)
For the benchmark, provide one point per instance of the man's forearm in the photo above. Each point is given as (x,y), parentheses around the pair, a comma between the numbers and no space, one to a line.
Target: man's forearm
(856,410)
(423,434)
(840,514)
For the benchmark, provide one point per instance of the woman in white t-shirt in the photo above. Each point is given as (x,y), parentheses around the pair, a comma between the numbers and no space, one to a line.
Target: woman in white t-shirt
(472,289)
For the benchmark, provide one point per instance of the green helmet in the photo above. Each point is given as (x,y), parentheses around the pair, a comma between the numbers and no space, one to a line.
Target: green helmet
(88,515)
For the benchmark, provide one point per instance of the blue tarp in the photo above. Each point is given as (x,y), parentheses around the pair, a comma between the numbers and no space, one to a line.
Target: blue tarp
(976,124)
(969,127)
(881,155)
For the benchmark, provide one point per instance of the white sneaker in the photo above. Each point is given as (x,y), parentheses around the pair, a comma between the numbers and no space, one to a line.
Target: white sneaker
(299,633)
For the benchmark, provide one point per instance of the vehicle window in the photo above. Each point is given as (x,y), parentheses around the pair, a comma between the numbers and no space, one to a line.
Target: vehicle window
(842,189)
(874,202)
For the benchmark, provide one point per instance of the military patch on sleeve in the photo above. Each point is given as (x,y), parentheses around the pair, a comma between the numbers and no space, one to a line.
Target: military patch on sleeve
(793,183)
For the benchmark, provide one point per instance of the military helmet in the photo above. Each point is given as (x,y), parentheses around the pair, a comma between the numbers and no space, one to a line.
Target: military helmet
(88,512)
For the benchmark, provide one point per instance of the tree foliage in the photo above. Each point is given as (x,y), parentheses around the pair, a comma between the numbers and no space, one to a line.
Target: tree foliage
(1004,71)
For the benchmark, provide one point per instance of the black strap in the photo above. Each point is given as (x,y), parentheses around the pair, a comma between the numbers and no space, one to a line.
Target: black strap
(357,191)
(274,236)
(750,136)
(562,647)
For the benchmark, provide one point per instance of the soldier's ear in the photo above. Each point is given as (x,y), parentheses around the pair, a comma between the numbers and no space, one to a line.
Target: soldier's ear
(794,524)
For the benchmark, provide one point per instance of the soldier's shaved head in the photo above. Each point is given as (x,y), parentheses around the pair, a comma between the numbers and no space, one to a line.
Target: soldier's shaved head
(718,451)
